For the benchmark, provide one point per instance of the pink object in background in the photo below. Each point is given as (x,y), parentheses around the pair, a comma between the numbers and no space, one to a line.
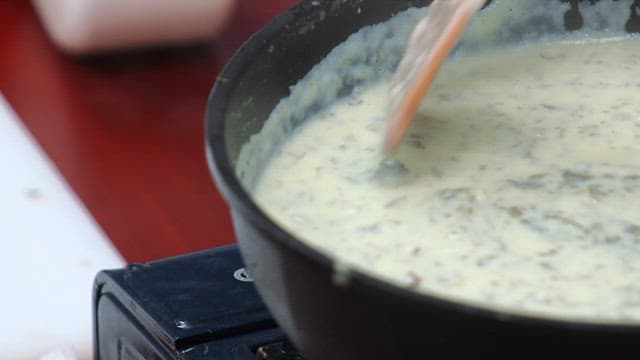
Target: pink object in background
(89,26)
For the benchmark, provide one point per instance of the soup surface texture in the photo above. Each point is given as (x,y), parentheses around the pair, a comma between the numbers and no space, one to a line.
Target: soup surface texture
(517,186)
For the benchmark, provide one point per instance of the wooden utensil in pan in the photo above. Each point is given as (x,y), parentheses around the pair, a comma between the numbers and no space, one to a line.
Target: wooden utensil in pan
(429,45)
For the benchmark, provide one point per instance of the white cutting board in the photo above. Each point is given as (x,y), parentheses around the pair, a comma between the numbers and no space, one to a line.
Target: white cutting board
(50,251)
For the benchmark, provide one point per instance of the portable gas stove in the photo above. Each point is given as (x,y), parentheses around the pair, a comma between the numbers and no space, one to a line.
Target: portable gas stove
(196,306)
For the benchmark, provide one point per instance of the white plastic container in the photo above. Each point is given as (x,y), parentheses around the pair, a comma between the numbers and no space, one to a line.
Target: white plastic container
(89,26)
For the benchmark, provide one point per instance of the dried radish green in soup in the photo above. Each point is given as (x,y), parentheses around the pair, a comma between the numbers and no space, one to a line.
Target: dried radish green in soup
(517,186)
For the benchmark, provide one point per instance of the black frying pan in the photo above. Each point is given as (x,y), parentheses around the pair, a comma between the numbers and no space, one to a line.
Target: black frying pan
(365,318)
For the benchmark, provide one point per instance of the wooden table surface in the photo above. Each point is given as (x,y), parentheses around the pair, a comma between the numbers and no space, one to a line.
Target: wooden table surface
(126,130)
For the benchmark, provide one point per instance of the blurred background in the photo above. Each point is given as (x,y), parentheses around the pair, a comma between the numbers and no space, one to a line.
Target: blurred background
(110,96)
(125,126)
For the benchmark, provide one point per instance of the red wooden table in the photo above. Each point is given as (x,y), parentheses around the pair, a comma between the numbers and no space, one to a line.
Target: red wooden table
(126,130)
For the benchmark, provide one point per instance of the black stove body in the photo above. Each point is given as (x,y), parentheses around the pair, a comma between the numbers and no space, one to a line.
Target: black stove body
(197,306)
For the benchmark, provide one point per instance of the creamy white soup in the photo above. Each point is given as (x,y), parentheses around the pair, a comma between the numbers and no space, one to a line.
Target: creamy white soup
(517,186)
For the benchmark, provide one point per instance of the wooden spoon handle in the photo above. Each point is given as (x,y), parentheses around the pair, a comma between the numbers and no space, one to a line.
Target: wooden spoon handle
(429,45)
